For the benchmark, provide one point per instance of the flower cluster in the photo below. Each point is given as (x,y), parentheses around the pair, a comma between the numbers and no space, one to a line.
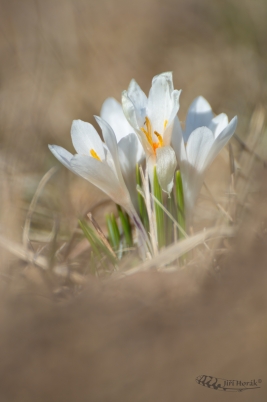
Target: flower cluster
(145,131)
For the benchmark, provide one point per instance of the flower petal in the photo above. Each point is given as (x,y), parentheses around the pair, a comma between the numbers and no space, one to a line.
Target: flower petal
(198,147)
(160,101)
(167,134)
(85,137)
(102,176)
(168,78)
(139,100)
(62,155)
(112,112)
(130,154)
(178,141)
(199,114)
(193,165)
(218,124)
(111,143)
(129,111)
(166,165)
(192,181)
(221,141)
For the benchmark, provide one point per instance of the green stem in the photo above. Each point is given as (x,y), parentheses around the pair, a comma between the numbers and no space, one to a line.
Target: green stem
(141,203)
(159,211)
(113,231)
(180,204)
(126,226)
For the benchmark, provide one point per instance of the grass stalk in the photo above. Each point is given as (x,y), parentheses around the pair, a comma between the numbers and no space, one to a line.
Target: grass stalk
(159,211)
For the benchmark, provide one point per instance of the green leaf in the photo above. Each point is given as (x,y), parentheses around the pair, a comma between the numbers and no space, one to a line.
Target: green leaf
(159,211)
(99,249)
(180,204)
(126,226)
(113,231)
(168,222)
(141,202)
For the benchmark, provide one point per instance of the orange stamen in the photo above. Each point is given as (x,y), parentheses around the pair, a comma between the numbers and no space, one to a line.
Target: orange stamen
(148,133)
(94,154)
(159,137)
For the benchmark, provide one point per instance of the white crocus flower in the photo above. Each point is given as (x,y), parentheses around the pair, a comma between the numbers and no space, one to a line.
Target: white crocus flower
(98,163)
(130,150)
(198,145)
(152,119)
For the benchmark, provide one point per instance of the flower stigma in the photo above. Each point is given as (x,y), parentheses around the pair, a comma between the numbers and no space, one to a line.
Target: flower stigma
(94,154)
(148,134)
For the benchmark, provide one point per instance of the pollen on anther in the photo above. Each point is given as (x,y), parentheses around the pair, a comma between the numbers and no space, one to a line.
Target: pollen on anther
(94,154)
(160,139)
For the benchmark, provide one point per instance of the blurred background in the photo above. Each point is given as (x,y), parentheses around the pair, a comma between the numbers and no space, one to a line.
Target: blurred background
(59,60)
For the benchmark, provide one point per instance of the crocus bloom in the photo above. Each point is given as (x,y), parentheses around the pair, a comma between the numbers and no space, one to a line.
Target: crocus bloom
(130,150)
(152,119)
(96,161)
(198,145)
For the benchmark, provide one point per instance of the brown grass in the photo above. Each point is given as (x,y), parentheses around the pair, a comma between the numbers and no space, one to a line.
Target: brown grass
(66,335)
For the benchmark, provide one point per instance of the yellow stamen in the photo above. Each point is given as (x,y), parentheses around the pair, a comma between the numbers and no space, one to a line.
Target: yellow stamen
(148,133)
(165,123)
(159,137)
(94,154)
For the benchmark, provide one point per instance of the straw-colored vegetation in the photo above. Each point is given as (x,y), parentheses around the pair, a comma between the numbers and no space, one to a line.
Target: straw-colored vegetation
(59,242)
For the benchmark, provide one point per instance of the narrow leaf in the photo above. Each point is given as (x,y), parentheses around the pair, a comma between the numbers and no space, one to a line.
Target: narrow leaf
(180,204)
(126,226)
(159,212)
(141,203)
(98,247)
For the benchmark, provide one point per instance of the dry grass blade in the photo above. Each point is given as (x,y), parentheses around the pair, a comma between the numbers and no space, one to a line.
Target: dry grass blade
(171,253)
(41,185)
(218,205)
(22,253)
(247,160)
(100,233)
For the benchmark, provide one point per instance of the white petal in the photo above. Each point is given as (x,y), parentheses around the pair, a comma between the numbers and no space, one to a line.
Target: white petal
(102,176)
(192,181)
(218,124)
(110,141)
(198,147)
(167,135)
(193,165)
(62,155)
(139,100)
(221,141)
(160,102)
(178,141)
(132,150)
(129,111)
(166,165)
(167,76)
(199,114)
(130,154)
(112,112)
(85,137)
